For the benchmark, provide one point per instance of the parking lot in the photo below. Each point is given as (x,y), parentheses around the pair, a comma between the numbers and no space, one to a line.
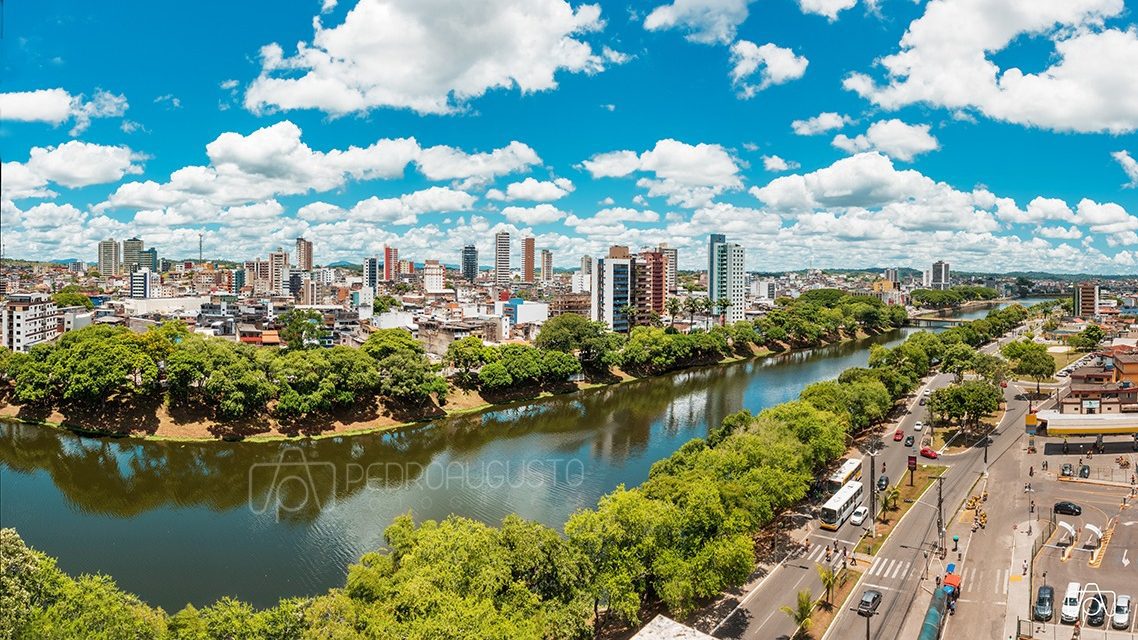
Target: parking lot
(1105,498)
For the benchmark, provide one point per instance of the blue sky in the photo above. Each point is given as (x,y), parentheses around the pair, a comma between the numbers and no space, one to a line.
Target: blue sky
(995,134)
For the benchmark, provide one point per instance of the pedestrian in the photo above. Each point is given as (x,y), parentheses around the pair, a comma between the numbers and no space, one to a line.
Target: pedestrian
(1025,567)
(1026,486)
(1032,510)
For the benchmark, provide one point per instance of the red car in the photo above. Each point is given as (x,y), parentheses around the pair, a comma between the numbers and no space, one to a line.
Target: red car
(928,452)
(898,435)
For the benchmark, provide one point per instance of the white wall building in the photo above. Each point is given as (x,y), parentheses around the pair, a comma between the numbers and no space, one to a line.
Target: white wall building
(502,258)
(727,276)
(26,319)
(612,291)
(434,280)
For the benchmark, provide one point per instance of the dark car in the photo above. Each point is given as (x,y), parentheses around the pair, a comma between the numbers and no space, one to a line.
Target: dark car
(1085,471)
(1044,603)
(908,441)
(1096,610)
(869,601)
(882,483)
(1068,470)
(922,403)
(1068,508)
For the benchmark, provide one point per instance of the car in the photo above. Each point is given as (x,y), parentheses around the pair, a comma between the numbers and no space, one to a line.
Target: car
(1067,471)
(1069,612)
(869,602)
(920,425)
(859,515)
(908,441)
(1096,610)
(928,452)
(1120,619)
(1062,374)
(922,402)
(898,435)
(1068,508)
(1085,471)
(882,483)
(928,392)
(1044,603)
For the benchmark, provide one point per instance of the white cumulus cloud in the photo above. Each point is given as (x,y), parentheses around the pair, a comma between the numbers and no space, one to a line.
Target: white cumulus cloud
(687,175)
(821,123)
(1129,165)
(773,64)
(57,106)
(893,137)
(429,58)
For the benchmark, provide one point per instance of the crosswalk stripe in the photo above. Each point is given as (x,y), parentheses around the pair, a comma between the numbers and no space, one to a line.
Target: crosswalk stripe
(900,565)
(885,569)
(873,567)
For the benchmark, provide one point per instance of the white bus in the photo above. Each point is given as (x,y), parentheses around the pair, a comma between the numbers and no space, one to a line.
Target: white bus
(850,470)
(839,507)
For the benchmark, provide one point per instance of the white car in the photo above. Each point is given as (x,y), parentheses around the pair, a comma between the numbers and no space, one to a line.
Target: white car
(917,427)
(1069,613)
(859,515)
(1121,617)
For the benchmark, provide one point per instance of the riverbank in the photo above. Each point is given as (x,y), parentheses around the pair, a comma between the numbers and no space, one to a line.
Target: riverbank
(154,419)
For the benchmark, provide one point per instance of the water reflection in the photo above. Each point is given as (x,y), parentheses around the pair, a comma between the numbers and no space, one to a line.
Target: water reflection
(266,520)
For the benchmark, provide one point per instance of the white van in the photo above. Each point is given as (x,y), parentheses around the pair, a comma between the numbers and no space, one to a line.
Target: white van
(1070,611)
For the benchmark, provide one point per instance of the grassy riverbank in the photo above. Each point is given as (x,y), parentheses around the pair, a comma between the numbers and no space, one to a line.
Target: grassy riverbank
(154,419)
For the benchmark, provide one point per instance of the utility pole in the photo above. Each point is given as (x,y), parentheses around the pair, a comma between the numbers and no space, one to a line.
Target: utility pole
(940,512)
(872,498)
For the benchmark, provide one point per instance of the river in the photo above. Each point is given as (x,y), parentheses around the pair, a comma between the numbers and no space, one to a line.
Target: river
(192,522)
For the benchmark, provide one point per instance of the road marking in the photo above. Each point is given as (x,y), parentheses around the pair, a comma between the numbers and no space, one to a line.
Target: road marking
(878,586)
(873,567)
(1125,562)
(900,566)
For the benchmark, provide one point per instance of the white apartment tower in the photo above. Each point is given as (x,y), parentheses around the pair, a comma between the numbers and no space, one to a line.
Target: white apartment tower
(727,276)
(671,257)
(502,258)
(546,265)
(939,278)
(278,270)
(433,276)
(131,254)
(27,319)
(109,257)
(612,289)
(303,254)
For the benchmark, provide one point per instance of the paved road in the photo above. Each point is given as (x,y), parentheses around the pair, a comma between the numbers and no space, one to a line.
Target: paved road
(899,570)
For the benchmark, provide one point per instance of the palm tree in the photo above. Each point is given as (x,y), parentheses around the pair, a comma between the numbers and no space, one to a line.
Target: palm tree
(673,306)
(691,305)
(889,499)
(800,612)
(629,311)
(829,578)
(721,305)
(706,305)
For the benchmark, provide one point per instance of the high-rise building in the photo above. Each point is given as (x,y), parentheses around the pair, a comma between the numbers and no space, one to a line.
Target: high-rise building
(727,277)
(546,265)
(303,254)
(236,280)
(1086,299)
(142,284)
(672,256)
(131,255)
(587,265)
(406,268)
(390,264)
(891,276)
(372,273)
(764,290)
(26,319)
(713,242)
(148,258)
(109,257)
(527,259)
(651,269)
(502,258)
(434,280)
(470,262)
(278,271)
(611,289)
(940,278)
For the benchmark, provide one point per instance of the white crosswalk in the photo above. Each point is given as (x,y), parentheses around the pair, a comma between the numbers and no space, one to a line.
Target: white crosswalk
(890,568)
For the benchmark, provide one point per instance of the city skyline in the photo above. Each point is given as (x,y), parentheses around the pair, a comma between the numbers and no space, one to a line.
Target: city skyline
(805,156)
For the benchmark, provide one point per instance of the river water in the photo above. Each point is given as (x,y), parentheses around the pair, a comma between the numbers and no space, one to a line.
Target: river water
(191,522)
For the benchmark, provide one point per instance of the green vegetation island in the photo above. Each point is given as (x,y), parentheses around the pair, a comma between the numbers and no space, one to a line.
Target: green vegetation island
(169,383)
(676,542)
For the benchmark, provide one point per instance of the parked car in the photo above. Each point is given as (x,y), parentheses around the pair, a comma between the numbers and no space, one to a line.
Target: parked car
(869,601)
(898,435)
(928,452)
(882,483)
(1121,617)
(1069,612)
(1044,603)
(922,402)
(1085,471)
(920,425)
(858,516)
(1096,610)
(1068,508)
(1068,470)
(908,441)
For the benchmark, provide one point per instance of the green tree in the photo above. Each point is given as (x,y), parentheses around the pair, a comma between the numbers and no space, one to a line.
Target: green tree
(385,342)
(468,355)
(70,296)
(385,303)
(957,360)
(801,612)
(301,328)
(673,306)
(829,578)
